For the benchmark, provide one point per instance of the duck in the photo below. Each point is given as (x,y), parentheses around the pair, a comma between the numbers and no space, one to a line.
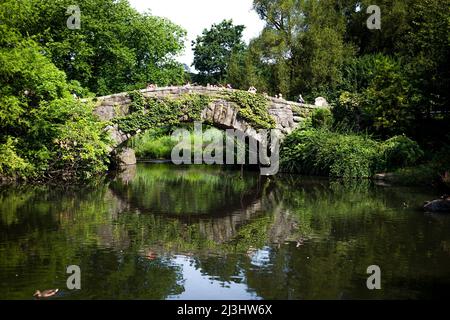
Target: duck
(251,251)
(45,294)
(151,255)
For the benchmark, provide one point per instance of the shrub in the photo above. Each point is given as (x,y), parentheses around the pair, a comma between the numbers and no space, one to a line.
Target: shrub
(322,152)
(322,118)
(44,131)
(10,163)
(400,151)
(348,112)
(80,148)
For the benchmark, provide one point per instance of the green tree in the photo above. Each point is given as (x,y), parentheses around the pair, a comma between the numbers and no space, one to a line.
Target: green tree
(214,48)
(375,96)
(395,22)
(425,52)
(116,49)
(300,49)
(44,131)
(387,98)
(393,80)
(246,70)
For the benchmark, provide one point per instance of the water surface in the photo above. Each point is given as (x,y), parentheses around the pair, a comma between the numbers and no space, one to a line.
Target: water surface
(159,231)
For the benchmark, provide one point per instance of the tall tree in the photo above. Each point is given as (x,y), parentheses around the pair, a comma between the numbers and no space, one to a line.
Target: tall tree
(116,48)
(214,48)
(425,51)
(301,47)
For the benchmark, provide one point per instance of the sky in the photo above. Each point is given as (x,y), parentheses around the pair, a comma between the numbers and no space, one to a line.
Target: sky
(196,15)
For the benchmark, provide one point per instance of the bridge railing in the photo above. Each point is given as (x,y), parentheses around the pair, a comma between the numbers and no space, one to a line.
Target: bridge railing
(178,90)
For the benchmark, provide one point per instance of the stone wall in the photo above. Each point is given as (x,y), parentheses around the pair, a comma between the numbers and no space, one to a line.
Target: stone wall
(286,113)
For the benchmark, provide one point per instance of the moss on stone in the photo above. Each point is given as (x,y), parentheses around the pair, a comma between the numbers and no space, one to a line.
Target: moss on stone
(148,113)
(253,108)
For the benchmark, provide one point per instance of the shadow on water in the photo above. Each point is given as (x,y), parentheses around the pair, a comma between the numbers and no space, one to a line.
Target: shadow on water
(167,232)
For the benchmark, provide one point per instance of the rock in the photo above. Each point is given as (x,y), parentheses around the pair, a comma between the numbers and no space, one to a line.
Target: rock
(117,136)
(441,205)
(385,177)
(126,157)
(321,102)
(105,113)
(382,183)
(127,174)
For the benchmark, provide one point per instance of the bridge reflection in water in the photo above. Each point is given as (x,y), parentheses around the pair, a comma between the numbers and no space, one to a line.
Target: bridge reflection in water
(168,232)
(214,202)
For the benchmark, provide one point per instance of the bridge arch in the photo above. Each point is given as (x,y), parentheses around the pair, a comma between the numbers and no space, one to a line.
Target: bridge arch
(219,112)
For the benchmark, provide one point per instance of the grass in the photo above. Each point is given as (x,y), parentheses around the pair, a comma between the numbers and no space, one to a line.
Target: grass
(158,144)
(153,147)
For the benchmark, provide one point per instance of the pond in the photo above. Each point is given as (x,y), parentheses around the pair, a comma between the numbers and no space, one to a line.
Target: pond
(159,231)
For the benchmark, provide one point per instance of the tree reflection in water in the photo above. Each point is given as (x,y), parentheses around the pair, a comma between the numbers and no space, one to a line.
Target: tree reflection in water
(168,232)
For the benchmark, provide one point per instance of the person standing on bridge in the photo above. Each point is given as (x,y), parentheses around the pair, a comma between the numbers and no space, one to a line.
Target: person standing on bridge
(300,99)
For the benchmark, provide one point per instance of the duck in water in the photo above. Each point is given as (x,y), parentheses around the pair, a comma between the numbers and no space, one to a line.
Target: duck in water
(45,294)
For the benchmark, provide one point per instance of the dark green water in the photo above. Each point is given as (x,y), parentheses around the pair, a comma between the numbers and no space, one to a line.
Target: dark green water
(167,232)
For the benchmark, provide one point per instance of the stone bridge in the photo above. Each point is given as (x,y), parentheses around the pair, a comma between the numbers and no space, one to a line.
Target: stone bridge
(220,112)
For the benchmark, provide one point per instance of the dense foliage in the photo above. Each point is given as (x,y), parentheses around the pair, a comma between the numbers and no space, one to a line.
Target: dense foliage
(388,82)
(400,151)
(116,48)
(44,130)
(385,85)
(346,155)
(322,152)
(253,108)
(214,48)
(150,113)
